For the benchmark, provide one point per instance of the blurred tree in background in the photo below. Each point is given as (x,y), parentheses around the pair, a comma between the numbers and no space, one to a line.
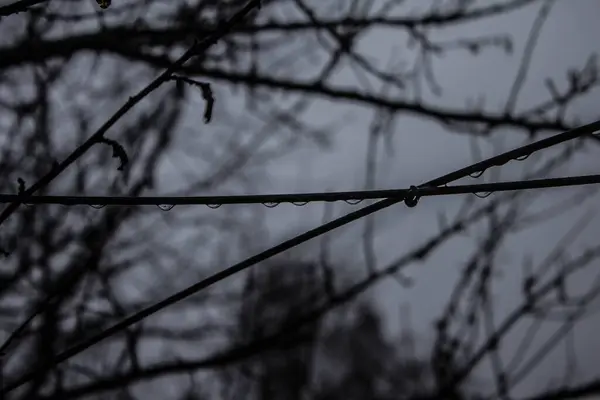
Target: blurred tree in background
(297,327)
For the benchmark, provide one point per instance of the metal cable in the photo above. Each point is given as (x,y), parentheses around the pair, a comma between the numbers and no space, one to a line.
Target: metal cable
(167,203)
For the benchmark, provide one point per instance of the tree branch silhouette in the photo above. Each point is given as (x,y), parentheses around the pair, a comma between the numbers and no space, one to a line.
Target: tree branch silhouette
(79,271)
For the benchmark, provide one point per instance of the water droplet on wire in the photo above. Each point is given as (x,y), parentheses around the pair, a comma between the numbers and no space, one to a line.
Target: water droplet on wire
(412,197)
(98,206)
(353,202)
(214,206)
(271,204)
(165,207)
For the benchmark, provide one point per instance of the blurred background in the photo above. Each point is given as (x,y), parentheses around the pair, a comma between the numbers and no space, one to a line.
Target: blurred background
(461,297)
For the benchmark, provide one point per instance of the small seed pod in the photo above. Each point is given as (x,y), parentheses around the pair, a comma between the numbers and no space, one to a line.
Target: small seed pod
(104,4)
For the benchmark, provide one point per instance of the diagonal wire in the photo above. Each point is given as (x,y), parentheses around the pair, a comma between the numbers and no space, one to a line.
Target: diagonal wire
(499,160)
(18,6)
(302,199)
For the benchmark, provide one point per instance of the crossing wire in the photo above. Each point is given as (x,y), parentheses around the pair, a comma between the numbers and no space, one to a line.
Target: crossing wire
(477,168)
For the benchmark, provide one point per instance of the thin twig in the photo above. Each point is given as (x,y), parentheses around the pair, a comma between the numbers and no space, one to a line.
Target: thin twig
(198,48)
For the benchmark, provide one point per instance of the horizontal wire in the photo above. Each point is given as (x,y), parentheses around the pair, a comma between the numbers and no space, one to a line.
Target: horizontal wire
(291,243)
(166,203)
